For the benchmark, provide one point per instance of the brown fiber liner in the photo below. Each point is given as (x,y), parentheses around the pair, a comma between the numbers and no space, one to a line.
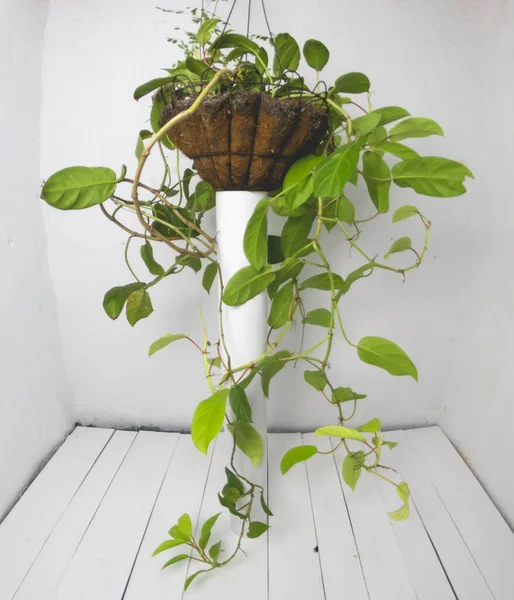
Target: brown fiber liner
(246,141)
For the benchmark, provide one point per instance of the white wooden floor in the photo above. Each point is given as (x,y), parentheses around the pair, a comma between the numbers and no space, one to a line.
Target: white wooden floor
(87,526)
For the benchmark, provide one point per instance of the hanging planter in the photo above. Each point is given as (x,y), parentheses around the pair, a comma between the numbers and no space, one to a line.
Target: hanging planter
(309,151)
(246,140)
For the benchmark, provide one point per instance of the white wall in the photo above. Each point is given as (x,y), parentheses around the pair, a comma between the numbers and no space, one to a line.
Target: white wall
(35,397)
(478,408)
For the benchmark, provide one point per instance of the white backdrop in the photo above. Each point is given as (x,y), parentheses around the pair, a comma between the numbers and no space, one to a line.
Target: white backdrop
(442,59)
(34,394)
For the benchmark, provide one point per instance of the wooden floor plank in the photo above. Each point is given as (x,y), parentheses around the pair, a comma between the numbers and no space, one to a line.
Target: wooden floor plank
(246,576)
(87,526)
(484,530)
(26,528)
(294,565)
(385,571)
(453,553)
(340,562)
(425,570)
(182,492)
(45,574)
(103,561)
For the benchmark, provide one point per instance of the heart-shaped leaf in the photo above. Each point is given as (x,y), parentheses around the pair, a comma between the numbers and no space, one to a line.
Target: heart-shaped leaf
(316,54)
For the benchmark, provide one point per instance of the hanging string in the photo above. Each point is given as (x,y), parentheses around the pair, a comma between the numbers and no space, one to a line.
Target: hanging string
(225,26)
(248,19)
(267,23)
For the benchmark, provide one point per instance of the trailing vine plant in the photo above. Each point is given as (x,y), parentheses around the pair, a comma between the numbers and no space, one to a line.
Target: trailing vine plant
(314,202)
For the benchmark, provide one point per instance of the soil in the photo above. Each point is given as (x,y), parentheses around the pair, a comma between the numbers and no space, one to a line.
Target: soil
(246,141)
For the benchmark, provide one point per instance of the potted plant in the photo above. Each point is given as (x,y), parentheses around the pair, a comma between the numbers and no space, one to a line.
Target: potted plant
(251,123)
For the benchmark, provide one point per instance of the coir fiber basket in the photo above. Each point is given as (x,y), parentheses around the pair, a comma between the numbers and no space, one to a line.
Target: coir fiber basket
(246,141)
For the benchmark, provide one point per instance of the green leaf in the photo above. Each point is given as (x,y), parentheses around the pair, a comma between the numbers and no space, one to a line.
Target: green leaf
(147,255)
(115,298)
(352,468)
(318,316)
(185,525)
(316,54)
(265,507)
(295,234)
(256,529)
(404,212)
(230,494)
(198,67)
(191,578)
(352,83)
(371,426)
(402,514)
(208,419)
(236,40)
(170,217)
(396,149)
(150,86)
(281,306)
(316,379)
(399,245)
(366,123)
(240,405)
(390,445)
(322,282)
(345,210)
(167,545)
(339,432)
(296,455)
(387,355)
(164,341)
(233,481)
(345,394)
(249,441)
(255,241)
(209,275)
(355,276)
(272,367)
(215,362)
(287,54)
(415,127)
(281,205)
(432,176)
(402,489)
(205,30)
(76,188)
(139,306)
(214,551)
(204,197)
(298,181)
(377,176)
(140,146)
(331,175)
(178,534)
(158,104)
(206,531)
(290,269)
(246,284)
(388,114)
(193,262)
(175,559)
